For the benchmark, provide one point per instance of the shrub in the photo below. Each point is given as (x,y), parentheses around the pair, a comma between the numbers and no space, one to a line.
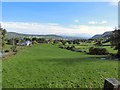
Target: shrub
(6,51)
(35,42)
(84,51)
(61,46)
(14,48)
(70,48)
(99,43)
(111,54)
(98,51)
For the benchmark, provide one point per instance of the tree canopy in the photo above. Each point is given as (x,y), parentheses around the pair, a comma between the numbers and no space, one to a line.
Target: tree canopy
(115,40)
(3,32)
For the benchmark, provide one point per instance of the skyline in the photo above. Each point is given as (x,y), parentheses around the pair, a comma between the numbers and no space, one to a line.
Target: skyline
(61,18)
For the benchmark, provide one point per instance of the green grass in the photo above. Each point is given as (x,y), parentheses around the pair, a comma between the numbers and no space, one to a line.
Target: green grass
(7,47)
(47,66)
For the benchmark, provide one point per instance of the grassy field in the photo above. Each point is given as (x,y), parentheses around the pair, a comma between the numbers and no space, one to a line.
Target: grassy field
(83,46)
(47,66)
(8,47)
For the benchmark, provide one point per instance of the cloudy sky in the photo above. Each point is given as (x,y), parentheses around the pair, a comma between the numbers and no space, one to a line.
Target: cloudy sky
(61,18)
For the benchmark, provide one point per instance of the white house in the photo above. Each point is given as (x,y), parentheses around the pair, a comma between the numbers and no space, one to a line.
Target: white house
(25,43)
(28,43)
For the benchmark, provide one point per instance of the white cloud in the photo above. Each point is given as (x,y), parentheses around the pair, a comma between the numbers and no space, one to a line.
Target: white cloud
(53,24)
(114,2)
(76,20)
(54,28)
(103,22)
(92,22)
(98,22)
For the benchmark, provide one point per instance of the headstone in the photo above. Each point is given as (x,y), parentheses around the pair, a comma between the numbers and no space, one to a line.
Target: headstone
(111,84)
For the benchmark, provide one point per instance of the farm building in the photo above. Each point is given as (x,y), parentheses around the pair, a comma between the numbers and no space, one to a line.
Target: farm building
(28,43)
(25,43)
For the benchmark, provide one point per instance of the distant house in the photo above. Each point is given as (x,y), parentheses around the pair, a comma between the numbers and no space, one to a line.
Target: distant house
(25,43)
(28,43)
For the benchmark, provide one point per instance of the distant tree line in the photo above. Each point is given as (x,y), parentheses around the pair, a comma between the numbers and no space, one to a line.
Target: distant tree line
(114,39)
(18,40)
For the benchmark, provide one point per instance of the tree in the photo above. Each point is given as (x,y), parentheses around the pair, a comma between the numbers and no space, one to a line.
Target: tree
(9,41)
(34,39)
(98,43)
(3,35)
(98,51)
(27,38)
(41,40)
(76,41)
(69,41)
(115,40)
(63,42)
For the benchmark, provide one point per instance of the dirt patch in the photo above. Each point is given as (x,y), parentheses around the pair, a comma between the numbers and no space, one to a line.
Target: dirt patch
(6,55)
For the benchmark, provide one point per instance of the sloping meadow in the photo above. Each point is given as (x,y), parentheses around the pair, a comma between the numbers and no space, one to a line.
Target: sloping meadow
(47,66)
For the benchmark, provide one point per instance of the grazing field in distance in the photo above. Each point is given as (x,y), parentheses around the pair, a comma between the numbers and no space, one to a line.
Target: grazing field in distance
(47,66)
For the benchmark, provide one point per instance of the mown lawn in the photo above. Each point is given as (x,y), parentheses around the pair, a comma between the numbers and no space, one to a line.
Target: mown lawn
(47,66)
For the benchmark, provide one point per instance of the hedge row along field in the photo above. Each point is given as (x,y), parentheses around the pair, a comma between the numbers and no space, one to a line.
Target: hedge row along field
(47,66)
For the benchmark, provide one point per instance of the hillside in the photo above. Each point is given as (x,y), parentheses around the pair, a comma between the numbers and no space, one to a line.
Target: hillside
(104,35)
(53,36)
(19,35)
(49,36)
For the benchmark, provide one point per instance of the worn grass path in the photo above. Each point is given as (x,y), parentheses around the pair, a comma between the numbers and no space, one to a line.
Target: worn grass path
(47,66)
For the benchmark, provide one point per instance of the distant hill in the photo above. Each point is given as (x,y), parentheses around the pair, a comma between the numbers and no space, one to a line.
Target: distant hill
(75,37)
(96,36)
(49,36)
(104,35)
(19,35)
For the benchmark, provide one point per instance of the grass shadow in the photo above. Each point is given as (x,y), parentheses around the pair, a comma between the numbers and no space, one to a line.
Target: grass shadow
(70,61)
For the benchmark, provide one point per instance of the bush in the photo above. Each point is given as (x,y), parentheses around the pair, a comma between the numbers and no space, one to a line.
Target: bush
(70,48)
(84,51)
(98,51)
(35,42)
(111,54)
(61,46)
(6,51)
(14,48)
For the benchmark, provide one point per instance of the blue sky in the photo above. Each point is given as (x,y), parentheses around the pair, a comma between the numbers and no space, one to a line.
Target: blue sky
(69,16)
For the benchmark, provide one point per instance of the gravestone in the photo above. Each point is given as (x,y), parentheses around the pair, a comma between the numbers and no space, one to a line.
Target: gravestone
(111,84)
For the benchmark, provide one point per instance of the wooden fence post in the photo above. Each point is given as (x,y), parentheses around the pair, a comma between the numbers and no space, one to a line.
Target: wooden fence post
(111,84)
